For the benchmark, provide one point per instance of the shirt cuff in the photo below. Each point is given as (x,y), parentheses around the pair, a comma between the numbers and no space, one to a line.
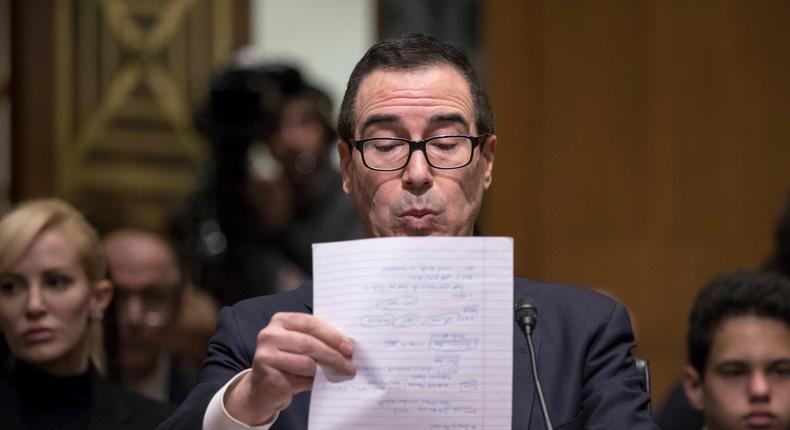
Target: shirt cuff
(218,418)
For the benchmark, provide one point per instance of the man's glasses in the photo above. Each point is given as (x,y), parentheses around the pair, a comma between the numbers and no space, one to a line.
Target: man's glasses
(441,152)
(150,306)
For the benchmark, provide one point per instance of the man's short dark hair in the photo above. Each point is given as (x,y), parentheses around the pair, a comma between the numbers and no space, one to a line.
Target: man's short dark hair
(761,294)
(412,52)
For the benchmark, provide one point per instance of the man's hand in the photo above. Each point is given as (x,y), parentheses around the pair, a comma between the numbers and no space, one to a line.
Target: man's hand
(286,356)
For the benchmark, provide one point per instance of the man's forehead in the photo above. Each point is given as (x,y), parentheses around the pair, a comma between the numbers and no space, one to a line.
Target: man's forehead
(439,86)
(750,337)
(432,76)
(142,277)
(138,249)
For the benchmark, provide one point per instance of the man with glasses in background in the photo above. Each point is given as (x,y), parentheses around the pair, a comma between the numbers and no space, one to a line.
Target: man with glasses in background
(148,295)
(416,146)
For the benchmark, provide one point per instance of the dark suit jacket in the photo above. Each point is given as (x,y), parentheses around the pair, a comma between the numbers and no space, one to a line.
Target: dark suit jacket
(677,413)
(583,341)
(113,408)
(182,379)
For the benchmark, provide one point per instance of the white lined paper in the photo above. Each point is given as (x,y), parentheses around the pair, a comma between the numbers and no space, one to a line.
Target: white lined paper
(431,321)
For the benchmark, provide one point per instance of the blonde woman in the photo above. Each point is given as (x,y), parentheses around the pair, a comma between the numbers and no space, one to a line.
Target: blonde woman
(53,292)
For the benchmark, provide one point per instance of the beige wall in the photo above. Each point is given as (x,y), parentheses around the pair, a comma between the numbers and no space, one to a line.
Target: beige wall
(340,33)
(644,146)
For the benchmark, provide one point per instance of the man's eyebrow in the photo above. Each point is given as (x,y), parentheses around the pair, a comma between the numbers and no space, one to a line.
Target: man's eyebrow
(450,117)
(731,364)
(383,118)
(377,119)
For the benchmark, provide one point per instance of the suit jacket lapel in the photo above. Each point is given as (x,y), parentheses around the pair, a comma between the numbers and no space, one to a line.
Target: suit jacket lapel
(308,296)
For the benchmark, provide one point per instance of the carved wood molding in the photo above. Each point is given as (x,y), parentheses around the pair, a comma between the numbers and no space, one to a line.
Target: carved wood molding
(128,76)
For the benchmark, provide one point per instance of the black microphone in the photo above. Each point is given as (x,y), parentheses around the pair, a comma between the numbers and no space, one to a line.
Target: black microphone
(527,319)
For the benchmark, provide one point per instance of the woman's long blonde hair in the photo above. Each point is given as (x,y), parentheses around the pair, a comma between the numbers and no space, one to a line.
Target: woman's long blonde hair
(20,227)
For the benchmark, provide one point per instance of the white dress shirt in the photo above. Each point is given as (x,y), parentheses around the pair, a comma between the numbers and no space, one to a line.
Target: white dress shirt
(217,416)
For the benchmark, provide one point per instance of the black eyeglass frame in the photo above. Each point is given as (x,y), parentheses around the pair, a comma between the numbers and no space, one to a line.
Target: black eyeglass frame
(414,145)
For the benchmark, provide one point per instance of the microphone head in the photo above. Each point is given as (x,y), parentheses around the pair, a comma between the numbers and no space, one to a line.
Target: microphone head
(526,314)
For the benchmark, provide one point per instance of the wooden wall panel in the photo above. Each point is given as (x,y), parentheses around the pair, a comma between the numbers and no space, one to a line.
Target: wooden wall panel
(5,104)
(32,164)
(643,147)
(107,91)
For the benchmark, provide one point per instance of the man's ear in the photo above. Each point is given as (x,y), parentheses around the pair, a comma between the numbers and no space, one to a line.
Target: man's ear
(488,158)
(692,386)
(346,161)
(100,297)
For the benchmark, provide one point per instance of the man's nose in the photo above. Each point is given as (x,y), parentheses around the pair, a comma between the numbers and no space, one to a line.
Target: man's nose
(417,175)
(132,311)
(759,387)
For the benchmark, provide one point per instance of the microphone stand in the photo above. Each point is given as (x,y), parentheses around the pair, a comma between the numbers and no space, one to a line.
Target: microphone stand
(527,319)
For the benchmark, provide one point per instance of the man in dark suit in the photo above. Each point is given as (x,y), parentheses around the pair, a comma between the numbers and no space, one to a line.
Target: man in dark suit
(417,149)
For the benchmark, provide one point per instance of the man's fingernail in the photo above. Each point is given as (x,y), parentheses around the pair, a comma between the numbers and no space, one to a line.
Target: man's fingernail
(346,348)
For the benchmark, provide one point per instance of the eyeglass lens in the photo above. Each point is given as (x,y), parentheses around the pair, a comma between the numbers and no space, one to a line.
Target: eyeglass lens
(443,152)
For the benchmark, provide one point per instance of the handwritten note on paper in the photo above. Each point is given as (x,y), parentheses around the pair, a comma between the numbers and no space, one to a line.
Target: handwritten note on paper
(431,320)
